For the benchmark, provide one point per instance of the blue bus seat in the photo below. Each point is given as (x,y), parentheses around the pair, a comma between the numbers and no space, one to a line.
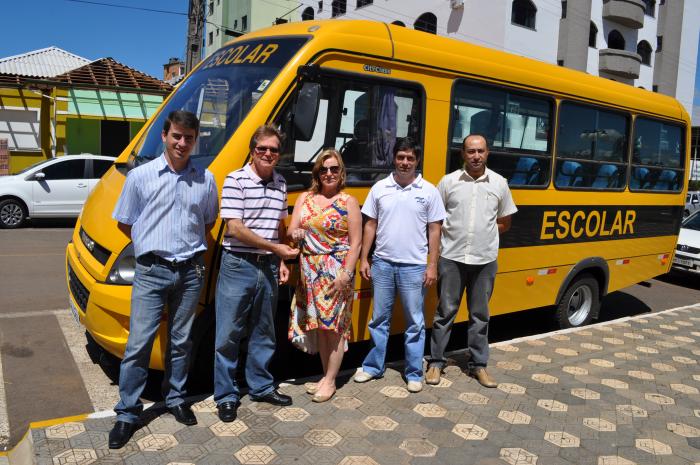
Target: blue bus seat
(606,177)
(570,174)
(526,172)
(640,178)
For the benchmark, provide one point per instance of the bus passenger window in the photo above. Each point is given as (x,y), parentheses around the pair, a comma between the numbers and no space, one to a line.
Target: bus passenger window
(595,142)
(516,126)
(362,120)
(658,153)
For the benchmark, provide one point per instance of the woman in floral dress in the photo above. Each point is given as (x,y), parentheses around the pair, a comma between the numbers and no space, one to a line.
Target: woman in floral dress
(328,224)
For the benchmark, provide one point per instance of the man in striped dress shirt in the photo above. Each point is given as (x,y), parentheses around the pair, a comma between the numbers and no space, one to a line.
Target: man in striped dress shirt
(167,207)
(253,205)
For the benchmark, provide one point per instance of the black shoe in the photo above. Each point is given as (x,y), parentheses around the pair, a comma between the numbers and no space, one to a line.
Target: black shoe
(120,434)
(183,414)
(227,411)
(274,398)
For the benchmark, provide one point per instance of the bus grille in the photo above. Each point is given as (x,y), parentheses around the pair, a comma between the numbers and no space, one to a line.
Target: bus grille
(78,290)
(687,249)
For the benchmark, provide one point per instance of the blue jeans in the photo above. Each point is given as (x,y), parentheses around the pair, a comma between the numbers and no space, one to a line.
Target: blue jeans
(155,285)
(387,278)
(246,299)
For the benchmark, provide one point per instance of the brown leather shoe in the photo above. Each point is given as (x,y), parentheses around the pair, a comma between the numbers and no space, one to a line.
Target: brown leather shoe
(483,378)
(432,376)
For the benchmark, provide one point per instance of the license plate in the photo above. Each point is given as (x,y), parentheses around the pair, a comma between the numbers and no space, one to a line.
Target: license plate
(680,261)
(74,311)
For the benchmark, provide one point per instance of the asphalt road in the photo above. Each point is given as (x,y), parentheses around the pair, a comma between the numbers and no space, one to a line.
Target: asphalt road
(48,370)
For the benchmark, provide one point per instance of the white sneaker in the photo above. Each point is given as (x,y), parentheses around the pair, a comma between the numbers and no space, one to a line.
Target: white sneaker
(362,376)
(414,386)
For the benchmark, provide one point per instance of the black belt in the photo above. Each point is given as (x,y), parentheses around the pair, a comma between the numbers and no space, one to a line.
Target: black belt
(252,256)
(150,258)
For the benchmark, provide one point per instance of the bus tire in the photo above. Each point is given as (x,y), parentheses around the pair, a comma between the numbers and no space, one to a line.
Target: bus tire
(579,303)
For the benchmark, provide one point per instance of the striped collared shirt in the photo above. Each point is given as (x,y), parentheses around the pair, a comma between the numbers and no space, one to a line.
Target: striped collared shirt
(168,211)
(260,205)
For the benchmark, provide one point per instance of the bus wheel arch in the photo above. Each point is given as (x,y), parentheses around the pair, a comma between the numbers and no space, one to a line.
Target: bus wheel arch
(578,300)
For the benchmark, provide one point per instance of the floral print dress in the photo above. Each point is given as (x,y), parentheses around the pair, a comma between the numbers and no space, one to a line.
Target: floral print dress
(323,252)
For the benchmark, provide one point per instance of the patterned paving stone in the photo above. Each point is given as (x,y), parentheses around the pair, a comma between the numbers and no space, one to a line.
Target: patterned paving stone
(576,371)
(562,439)
(396,392)
(641,374)
(614,383)
(659,399)
(473,398)
(566,352)
(510,366)
(511,388)
(552,405)
(517,456)
(291,414)
(653,446)
(684,388)
(347,402)
(470,432)
(322,437)
(684,430)
(157,442)
(514,417)
(585,393)
(234,428)
(507,348)
(65,430)
(539,358)
(599,362)
(536,342)
(614,460)
(358,460)
(380,423)
(76,457)
(599,424)
(545,378)
(418,448)
(590,346)
(255,455)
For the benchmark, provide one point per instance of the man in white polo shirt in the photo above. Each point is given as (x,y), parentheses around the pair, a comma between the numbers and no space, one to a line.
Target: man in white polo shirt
(404,212)
(479,207)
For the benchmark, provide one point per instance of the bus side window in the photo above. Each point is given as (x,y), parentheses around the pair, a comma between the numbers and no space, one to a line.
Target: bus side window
(516,127)
(658,151)
(594,141)
(360,119)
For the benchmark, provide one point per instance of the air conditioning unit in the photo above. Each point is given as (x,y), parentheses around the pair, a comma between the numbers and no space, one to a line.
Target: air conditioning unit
(456,4)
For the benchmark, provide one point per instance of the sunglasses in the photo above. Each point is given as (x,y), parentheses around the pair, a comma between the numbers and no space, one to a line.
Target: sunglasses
(261,150)
(330,169)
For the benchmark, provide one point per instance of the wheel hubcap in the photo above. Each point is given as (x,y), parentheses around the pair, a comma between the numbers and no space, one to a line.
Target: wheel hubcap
(11,214)
(579,305)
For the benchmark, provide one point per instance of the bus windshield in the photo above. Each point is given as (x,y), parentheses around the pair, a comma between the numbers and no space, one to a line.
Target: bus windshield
(221,93)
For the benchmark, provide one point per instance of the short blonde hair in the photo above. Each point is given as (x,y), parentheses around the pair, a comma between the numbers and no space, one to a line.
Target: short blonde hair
(315,176)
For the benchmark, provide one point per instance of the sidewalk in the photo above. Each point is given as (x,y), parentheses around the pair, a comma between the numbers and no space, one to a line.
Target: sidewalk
(620,393)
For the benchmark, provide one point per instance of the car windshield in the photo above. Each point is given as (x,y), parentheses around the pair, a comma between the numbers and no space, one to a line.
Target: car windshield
(692,222)
(221,93)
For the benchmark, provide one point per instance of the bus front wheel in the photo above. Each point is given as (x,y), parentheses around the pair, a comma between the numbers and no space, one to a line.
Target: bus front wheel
(579,303)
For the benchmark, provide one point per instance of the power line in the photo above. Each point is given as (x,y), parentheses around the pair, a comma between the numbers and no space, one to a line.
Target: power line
(128,7)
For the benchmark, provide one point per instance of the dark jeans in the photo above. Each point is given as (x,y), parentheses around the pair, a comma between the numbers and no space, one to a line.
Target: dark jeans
(453,278)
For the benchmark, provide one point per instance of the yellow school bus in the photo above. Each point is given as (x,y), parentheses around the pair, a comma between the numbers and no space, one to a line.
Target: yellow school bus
(597,168)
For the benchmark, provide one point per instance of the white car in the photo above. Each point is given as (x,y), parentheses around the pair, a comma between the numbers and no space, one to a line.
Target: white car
(55,188)
(687,256)
(692,203)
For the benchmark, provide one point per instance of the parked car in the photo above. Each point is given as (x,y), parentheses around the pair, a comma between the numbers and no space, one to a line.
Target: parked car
(687,258)
(692,203)
(55,188)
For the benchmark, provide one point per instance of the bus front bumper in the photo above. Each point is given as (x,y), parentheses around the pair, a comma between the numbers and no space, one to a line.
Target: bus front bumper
(103,309)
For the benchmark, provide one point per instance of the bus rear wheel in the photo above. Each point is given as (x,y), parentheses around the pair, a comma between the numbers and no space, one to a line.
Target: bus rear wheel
(579,303)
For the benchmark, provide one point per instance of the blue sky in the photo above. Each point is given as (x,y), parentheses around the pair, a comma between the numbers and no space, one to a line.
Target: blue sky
(141,39)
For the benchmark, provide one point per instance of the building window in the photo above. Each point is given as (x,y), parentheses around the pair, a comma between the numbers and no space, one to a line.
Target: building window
(361,3)
(244,22)
(523,13)
(235,24)
(320,6)
(655,88)
(650,7)
(211,38)
(211,8)
(563,9)
(398,23)
(427,22)
(217,32)
(615,40)
(560,62)
(592,35)
(644,51)
(659,43)
(307,14)
(338,7)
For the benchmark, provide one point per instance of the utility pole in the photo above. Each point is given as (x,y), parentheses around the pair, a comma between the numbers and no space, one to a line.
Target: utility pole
(195,29)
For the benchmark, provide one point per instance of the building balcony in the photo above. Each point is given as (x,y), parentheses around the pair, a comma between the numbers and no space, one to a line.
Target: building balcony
(619,63)
(629,13)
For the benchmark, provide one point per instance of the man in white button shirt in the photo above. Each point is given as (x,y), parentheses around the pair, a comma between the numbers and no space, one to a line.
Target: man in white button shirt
(479,206)
(404,213)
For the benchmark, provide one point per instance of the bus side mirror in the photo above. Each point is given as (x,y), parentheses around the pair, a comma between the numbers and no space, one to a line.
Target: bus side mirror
(306,111)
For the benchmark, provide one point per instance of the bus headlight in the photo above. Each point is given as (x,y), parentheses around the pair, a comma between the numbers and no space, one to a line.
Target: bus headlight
(122,271)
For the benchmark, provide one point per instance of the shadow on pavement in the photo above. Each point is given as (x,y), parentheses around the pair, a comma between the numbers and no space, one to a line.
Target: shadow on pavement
(42,223)
(677,278)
